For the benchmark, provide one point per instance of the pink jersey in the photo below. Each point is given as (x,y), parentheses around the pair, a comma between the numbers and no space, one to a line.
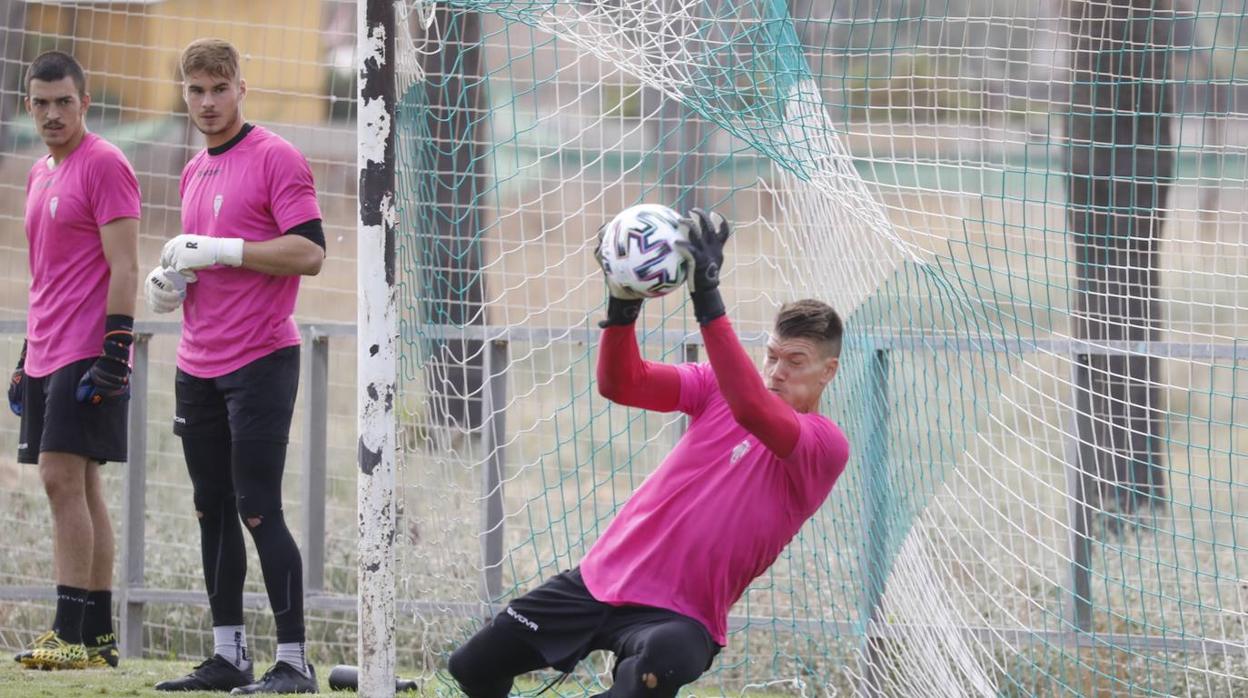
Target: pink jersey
(716,513)
(65,208)
(256,190)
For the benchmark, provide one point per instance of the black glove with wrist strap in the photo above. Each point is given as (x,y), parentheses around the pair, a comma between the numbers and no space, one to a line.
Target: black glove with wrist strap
(109,377)
(17,384)
(623,306)
(620,311)
(704,253)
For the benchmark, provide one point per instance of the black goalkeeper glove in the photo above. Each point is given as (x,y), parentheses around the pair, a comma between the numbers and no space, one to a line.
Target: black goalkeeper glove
(17,384)
(108,378)
(704,255)
(624,305)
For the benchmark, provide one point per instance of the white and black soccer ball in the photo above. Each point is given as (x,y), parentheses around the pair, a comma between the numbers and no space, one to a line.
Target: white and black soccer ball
(639,250)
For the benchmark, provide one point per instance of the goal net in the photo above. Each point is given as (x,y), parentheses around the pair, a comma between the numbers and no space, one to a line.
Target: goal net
(1027,214)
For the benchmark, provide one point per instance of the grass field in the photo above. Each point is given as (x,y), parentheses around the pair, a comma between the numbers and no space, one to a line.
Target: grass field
(136,678)
(132,678)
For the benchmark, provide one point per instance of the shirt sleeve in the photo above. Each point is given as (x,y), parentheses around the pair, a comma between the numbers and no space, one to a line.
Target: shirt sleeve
(292,193)
(818,459)
(115,190)
(697,383)
(763,413)
(627,379)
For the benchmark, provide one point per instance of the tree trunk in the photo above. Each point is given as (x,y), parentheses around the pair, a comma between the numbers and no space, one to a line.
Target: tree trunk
(1120,169)
(452,287)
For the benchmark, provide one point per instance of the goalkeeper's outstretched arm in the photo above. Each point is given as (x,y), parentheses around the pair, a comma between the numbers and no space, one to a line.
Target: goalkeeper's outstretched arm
(627,379)
(623,376)
(761,412)
(753,406)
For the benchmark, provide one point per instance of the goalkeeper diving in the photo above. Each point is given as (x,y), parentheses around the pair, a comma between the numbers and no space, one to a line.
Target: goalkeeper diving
(756,462)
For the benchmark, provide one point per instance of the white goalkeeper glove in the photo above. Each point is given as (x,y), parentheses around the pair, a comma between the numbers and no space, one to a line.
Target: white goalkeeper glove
(165,289)
(190,252)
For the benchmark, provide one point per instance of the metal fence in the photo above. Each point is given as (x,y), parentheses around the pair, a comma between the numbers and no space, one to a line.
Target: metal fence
(133,594)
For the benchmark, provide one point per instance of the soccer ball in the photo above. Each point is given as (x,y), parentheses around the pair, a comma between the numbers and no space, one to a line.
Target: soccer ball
(639,250)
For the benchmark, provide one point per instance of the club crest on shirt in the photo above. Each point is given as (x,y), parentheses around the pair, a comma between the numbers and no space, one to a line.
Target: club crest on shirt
(739,452)
(53,204)
(216,205)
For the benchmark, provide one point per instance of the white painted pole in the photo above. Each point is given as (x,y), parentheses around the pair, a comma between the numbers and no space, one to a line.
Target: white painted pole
(377,334)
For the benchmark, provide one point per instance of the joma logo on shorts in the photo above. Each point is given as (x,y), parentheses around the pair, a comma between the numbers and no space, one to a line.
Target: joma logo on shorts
(522,620)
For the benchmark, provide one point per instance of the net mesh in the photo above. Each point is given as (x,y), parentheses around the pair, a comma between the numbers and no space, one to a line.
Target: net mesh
(1025,213)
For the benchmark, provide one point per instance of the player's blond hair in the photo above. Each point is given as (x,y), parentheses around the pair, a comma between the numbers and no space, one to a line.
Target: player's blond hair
(215,57)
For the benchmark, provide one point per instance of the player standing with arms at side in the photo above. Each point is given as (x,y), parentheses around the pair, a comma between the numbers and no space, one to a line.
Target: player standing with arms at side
(251,226)
(72,382)
(756,462)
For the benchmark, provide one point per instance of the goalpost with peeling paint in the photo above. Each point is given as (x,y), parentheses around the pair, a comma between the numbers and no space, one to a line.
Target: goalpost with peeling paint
(376,347)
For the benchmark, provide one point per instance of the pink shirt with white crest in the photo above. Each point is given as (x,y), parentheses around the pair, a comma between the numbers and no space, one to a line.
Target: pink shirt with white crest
(258,189)
(715,514)
(66,206)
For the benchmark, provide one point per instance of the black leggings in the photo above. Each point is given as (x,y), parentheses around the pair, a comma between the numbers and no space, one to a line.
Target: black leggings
(243,480)
(486,664)
(653,658)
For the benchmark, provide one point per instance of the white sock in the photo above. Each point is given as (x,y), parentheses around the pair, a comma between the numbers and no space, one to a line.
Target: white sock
(294,654)
(230,641)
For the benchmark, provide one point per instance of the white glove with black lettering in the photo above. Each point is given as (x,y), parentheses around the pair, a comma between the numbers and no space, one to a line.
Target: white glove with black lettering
(190,252)
(165,289)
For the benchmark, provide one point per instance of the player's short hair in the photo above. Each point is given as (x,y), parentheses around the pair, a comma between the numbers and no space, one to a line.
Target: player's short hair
(52,66)
(813,320)
(215,57)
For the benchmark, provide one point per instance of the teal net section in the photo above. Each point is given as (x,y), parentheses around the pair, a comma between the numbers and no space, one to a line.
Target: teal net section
(1031,217)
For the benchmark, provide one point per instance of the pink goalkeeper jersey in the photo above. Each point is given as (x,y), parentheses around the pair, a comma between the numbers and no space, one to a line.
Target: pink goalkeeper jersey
(716,513)
(65,208)
(257,190)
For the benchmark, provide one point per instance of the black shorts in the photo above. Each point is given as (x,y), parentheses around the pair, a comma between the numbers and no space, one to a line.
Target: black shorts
(54,420)
(253,403)
(564,622)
